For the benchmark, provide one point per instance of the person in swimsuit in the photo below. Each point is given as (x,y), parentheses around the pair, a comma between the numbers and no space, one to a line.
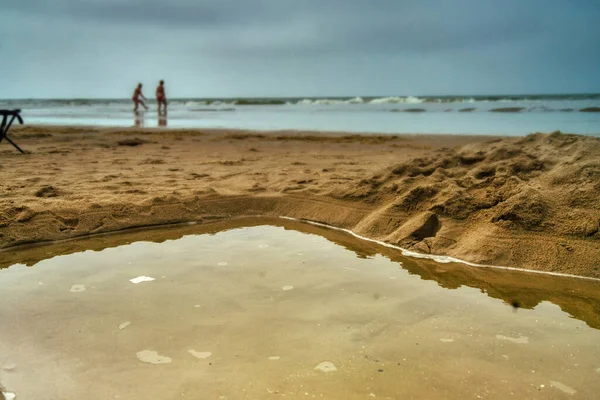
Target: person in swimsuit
(161,97)
(136,97)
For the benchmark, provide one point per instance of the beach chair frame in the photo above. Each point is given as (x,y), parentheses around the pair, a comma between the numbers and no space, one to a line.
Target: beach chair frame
(8,117)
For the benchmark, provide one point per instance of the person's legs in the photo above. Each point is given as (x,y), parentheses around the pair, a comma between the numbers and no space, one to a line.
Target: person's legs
(135,108)
(143,105)
(162,103)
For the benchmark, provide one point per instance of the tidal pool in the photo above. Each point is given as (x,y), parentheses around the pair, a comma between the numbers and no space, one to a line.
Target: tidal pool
(269,308)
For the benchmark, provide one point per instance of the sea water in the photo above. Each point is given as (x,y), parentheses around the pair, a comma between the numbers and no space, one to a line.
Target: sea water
(244,310)
(502,115)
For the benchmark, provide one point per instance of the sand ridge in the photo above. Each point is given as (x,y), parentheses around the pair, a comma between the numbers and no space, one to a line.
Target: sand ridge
(531,202)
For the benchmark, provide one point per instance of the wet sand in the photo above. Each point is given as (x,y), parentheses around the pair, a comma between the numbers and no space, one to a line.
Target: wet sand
(281,311)
(529,202)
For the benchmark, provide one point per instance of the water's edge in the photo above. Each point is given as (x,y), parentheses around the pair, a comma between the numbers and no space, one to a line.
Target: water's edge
(575,295)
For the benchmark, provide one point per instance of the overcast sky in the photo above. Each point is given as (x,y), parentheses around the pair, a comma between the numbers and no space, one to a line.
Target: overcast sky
(231,48)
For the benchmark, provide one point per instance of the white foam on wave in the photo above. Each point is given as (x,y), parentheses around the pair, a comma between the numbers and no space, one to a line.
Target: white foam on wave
(189,104)
(356,100)
(396,100)
(360,100)
(327,102)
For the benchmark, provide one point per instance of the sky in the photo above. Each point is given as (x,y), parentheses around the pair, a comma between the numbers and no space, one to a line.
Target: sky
(289,48)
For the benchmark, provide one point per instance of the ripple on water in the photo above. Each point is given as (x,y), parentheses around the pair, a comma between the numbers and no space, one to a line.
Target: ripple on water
(563,388)
(519,340)
(141,279)
(12,366)
(124,325)
(326,366)
(152,357)
(77,288)
(200,354)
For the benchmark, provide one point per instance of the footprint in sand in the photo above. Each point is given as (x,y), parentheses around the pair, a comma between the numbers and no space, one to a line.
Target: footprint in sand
(446,340)
(222,263)
(152,357)
(77,288)
(274,358)
(286,288)
(200,354)
(263,246)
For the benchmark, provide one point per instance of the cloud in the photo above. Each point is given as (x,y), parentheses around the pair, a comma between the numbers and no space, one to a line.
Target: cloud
(216,43)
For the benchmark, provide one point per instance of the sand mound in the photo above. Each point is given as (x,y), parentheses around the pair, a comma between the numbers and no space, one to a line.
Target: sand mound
(541,183)
(530,202)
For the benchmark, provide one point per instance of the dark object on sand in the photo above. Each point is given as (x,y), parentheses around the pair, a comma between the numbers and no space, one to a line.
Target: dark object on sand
(132,142)
(590,109)
(8,117)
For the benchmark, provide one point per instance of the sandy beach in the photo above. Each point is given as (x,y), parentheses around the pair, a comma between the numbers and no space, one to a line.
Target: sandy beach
(530,202)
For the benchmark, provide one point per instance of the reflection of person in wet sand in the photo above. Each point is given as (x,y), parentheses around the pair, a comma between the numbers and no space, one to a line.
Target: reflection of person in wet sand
(162,119)
(138,121)
(137,93)
(161,97)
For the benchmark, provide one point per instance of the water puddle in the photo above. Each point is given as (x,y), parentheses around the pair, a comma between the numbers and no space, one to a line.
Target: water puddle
(265,308)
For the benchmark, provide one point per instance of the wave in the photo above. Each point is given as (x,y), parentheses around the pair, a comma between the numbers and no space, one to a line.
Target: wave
(331,101)
(584,102)
(394,100)
(508,109)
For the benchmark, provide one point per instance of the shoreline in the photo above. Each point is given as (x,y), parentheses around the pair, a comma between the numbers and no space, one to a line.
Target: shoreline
(433,194)
(240,221)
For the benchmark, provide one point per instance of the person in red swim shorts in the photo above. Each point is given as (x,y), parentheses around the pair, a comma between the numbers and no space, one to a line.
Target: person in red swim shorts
(137,93)
(161,97)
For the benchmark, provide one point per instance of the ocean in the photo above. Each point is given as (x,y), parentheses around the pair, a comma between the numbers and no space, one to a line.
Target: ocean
(489,115)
